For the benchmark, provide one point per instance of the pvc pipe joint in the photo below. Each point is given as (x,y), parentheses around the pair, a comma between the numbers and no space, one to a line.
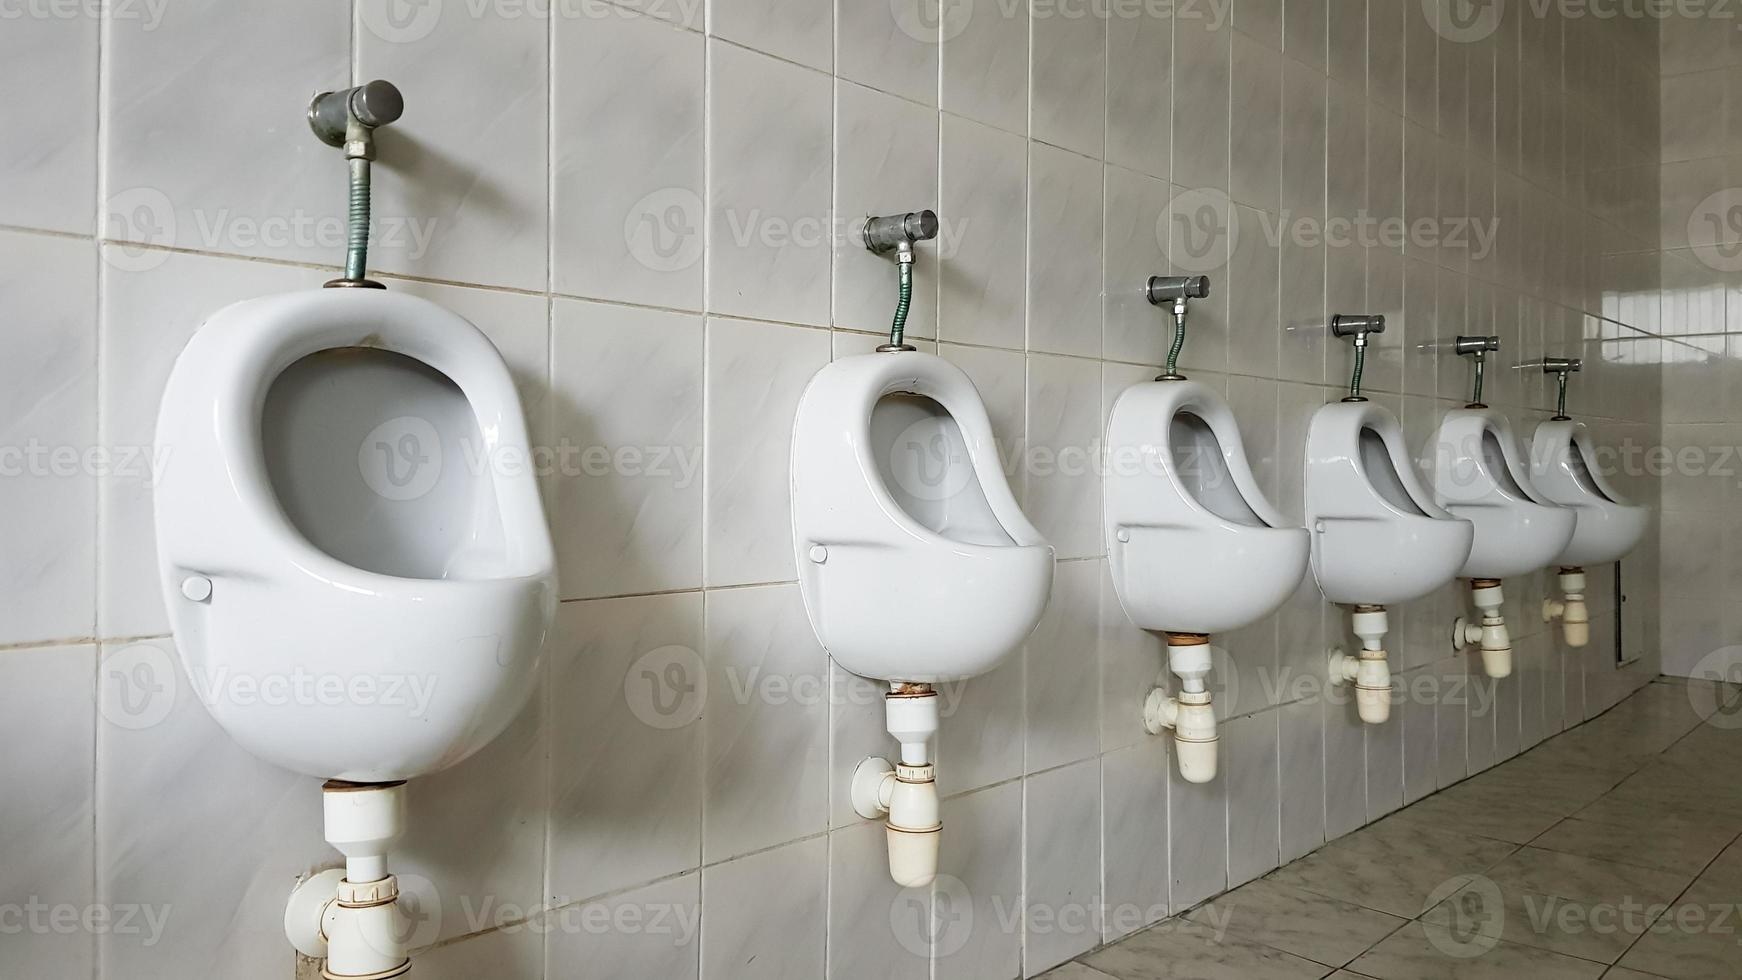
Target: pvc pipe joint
(1490,636)
(1370,670)
(1574,615)
(1192,715)
(906,794)
(353,917)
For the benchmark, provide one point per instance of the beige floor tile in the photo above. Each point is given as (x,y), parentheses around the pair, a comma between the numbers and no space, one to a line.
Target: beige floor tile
(1655,816)
(1493,813)
(1687,851)
(1413,954)
(1564,903)
(1726,871)
(1074,971)
(1322,929)
(1621,973)
(1180,950)
(1393,866)
(1696,940)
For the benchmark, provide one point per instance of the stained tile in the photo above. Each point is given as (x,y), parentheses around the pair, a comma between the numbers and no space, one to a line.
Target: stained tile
(1568,904)
(1179,950)
(1411,954)
(48,497)
(780,937)
(47,833)
(1391,867)
(1312,926)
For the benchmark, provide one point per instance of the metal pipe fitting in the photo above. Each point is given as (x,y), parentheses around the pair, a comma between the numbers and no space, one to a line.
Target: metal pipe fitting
(1179,290)
(1357,327)
(885,232)
(1476,348)
(348,118)
(1561,367)
(898,233)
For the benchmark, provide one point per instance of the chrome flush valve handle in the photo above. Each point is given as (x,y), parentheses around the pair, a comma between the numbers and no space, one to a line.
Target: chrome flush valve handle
(1171,289)
(1357,326)
(890,231)
(1477,346)
(370,105)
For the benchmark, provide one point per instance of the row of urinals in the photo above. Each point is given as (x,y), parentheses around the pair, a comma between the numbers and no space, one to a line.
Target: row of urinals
(307,525)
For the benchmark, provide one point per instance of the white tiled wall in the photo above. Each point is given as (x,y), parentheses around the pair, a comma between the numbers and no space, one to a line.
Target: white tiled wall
(642,210)
(1701,311)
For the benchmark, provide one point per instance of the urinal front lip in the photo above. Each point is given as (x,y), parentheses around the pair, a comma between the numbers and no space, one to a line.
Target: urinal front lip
(1215,596)
(478,655)
(234,359)
(1524,538)
(1415,556)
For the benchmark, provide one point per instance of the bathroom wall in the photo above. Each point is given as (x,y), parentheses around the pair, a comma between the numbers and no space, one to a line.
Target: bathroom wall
(1702,409)
(645,210)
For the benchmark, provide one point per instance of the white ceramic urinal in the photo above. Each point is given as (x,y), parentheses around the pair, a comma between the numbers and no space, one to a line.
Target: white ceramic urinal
(1563,467)
(1378,537)
(916,564)
(1478,476)
(1193,546)
(349,520)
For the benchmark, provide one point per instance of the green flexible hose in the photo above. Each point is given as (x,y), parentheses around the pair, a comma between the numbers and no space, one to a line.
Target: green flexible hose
(357,225)
(905,276)
(1561,397)
(1360,366)
(1476,396)
(1179,343)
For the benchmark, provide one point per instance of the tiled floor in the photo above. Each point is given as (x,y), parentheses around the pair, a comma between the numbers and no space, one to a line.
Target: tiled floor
(1610,851)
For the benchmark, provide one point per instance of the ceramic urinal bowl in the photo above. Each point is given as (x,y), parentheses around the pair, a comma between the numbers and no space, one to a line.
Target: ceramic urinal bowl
(1193,544)
(348,509)
(1378,537)
(915,562)
(1563,468)
(1478,476)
